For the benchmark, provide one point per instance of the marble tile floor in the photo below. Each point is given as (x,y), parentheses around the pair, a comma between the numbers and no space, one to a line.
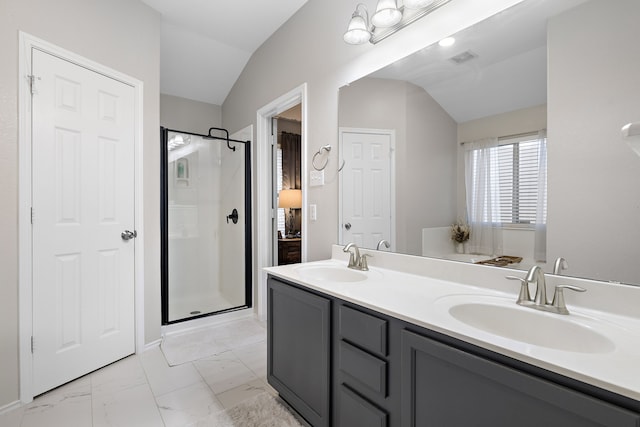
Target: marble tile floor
(143,390)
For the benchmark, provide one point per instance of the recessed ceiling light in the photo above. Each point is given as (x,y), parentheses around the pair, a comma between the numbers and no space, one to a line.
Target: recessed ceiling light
(447,41)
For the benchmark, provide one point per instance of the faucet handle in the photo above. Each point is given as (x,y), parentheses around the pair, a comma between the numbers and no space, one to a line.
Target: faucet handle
(558,297)
(524,296)
(363,262)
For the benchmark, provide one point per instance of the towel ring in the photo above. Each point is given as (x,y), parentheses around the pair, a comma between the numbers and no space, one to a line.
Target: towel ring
(326,148)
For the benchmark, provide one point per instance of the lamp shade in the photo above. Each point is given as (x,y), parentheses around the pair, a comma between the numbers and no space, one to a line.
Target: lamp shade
(291,199)
(358,29)
(416,4)
(387,14)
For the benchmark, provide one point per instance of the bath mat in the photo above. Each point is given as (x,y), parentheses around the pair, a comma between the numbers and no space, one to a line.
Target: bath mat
(263,410)
(205,342)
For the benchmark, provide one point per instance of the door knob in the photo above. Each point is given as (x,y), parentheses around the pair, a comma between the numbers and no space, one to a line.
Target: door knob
(128,235)
(348,226)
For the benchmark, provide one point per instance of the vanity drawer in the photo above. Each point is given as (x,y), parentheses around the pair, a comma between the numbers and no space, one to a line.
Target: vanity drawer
(364,368)
(354,411)
(364,330)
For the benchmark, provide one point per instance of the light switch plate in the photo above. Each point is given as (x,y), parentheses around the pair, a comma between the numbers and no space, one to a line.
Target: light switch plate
(313,212)
(316,178)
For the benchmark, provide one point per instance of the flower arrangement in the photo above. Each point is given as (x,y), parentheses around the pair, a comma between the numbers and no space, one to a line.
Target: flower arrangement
(460,232)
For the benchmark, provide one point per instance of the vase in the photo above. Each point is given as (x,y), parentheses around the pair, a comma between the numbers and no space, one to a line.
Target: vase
(459,247)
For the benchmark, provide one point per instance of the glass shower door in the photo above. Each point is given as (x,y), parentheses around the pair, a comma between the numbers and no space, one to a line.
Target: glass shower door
(206,228)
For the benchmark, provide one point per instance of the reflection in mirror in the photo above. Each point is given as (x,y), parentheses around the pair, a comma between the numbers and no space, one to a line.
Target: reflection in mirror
(559,69)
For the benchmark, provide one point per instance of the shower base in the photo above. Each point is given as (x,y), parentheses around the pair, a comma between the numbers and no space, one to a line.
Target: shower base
(182,307)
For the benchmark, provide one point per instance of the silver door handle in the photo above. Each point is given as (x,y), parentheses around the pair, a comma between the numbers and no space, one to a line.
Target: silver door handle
(348,226)
(128,235)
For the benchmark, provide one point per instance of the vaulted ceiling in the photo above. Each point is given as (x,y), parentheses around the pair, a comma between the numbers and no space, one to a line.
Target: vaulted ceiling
(205,44)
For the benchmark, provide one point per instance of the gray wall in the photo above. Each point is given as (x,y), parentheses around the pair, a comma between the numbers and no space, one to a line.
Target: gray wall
(429,176)
(188,115)
(425,151)
(123,35)
(593,176)
(309,49)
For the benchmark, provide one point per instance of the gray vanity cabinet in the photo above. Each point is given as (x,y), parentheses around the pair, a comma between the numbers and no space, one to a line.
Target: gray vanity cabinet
(298,358)
(344,365)
(445,386)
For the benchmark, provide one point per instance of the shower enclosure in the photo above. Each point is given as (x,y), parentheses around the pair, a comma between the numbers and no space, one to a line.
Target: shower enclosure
(206,224)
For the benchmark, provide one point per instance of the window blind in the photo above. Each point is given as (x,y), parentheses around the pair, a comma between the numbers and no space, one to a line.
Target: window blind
(281,217)
(517,176)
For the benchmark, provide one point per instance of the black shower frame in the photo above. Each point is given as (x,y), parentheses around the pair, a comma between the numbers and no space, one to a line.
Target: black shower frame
(164,223)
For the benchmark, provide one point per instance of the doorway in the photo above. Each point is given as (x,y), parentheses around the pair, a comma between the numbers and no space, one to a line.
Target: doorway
(287,126)
(266,202)
(80,204)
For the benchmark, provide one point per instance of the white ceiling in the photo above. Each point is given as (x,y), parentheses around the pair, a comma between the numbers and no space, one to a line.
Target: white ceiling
(205,44)
(509,73)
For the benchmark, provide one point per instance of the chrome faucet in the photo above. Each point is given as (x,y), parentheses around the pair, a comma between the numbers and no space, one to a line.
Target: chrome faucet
(559,265)
(383,242)
(535,275)
(356,261)
(353,259)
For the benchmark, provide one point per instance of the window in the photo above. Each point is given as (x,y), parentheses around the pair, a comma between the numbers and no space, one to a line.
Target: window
(281,217)
(516,171)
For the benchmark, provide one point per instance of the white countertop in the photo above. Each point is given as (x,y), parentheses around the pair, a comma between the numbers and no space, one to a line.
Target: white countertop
(424,300)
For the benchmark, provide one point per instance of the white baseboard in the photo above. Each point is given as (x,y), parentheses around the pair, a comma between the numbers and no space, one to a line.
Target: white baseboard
(152,345)
(10,407)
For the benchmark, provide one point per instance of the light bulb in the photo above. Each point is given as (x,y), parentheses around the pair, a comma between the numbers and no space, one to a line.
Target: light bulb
(387,14)
(357,32)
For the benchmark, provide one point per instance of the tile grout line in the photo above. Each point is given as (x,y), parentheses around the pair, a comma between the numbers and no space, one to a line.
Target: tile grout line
(146,377)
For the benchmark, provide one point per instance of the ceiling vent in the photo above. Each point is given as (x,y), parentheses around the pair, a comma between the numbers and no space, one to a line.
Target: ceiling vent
(463,57)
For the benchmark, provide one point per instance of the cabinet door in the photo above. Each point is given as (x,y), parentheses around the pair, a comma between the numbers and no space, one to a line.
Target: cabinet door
(298,355)
(444,386)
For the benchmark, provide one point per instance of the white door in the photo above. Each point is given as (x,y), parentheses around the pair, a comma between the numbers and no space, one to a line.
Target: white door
(83,199)
(366,184)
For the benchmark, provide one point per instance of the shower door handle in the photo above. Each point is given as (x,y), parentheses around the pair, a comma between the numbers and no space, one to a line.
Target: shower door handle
(128,235)
(233,217)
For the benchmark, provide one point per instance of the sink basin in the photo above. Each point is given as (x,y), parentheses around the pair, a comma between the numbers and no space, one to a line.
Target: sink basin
(532,327)
(331,274)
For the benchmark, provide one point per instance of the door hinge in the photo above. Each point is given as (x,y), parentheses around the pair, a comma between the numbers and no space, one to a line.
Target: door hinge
(32,216)
(32,345)
(32,82)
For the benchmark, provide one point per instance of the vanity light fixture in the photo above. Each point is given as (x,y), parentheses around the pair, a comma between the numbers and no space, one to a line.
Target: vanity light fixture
(416,4)
(387,14)
(387,19)
(358,30)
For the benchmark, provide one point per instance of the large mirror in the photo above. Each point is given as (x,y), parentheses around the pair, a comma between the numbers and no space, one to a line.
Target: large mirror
(565,72)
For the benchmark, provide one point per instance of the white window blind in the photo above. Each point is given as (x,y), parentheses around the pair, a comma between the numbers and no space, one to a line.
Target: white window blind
(517,176)
(281,217)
